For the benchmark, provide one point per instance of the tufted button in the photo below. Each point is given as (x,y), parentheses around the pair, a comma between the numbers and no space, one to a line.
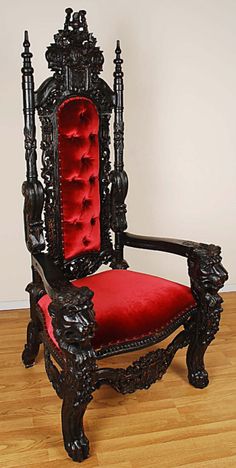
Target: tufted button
(83,115)
(92,179)
(86,203)
(92,137)
(85,159)
(85,241)
(92,221)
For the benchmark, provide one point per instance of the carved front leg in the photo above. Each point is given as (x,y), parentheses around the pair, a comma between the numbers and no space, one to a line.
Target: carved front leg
(75,441)
(78,389)
(207,276)
(74,326)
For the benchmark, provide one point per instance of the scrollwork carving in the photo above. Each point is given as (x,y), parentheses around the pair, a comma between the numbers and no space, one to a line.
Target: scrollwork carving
(33,205)
(119,181)
(49,177)
(143,372)
(75,48)
(55,376)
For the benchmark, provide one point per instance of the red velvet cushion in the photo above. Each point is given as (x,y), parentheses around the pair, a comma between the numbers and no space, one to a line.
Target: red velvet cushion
(129,305)
(78,144)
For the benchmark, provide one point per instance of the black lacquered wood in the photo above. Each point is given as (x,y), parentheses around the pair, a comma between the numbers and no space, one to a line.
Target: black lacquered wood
(175,246)
(32,188)
(119,178)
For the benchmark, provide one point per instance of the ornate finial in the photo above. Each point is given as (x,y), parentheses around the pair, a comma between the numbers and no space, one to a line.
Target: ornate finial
(74,46)
(26,42)
(118,49)
(79,21)
(26,54)
(118,61)
(68,11)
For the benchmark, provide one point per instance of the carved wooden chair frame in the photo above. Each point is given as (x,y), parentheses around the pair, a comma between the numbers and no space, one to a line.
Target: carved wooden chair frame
(76,73)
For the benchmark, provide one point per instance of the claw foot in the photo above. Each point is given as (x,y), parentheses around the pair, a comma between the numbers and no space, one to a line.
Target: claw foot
(32,346)
(199,378)
(27,358)
(78,450)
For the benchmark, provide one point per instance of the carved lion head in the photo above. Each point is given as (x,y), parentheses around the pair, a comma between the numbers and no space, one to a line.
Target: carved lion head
(206,270)
(73,317)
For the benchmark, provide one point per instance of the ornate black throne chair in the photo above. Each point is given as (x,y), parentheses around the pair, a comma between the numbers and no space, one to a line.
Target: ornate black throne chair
(81,316)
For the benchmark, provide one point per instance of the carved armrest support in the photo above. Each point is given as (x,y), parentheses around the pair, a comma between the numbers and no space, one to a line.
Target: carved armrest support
(33,205)
(73,321)
(119,187)
(207,277)
(71,309)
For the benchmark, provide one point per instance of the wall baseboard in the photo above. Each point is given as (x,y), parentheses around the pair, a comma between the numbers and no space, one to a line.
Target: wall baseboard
(229,288)
(12,305)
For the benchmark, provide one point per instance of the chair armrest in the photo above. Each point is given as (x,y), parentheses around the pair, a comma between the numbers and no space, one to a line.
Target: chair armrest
(175,246)
(207,277)
(71,309)
(204,260)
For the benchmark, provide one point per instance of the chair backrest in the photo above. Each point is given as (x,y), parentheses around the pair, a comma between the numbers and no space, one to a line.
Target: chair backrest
(82,198)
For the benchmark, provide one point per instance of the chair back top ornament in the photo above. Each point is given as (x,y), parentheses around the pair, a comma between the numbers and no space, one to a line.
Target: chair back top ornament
(74,107)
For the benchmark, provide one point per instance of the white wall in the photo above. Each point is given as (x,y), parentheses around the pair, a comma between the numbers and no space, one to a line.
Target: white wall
(180,117)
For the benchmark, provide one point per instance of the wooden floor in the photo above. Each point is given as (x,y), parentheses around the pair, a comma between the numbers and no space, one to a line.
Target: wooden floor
(170,425)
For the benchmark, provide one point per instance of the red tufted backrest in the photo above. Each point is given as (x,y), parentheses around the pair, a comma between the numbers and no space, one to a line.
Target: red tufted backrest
(78,147)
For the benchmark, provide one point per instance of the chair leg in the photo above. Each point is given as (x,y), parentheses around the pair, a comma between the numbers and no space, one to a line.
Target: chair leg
(75,441)
(33,340)
(197,374)
(32,346)
(202,330)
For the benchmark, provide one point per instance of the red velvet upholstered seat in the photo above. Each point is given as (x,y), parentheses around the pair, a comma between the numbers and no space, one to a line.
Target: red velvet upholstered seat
(129,305)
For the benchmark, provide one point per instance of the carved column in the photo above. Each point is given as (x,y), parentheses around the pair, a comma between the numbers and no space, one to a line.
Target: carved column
(32,189)
(33,192)
(119,177)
